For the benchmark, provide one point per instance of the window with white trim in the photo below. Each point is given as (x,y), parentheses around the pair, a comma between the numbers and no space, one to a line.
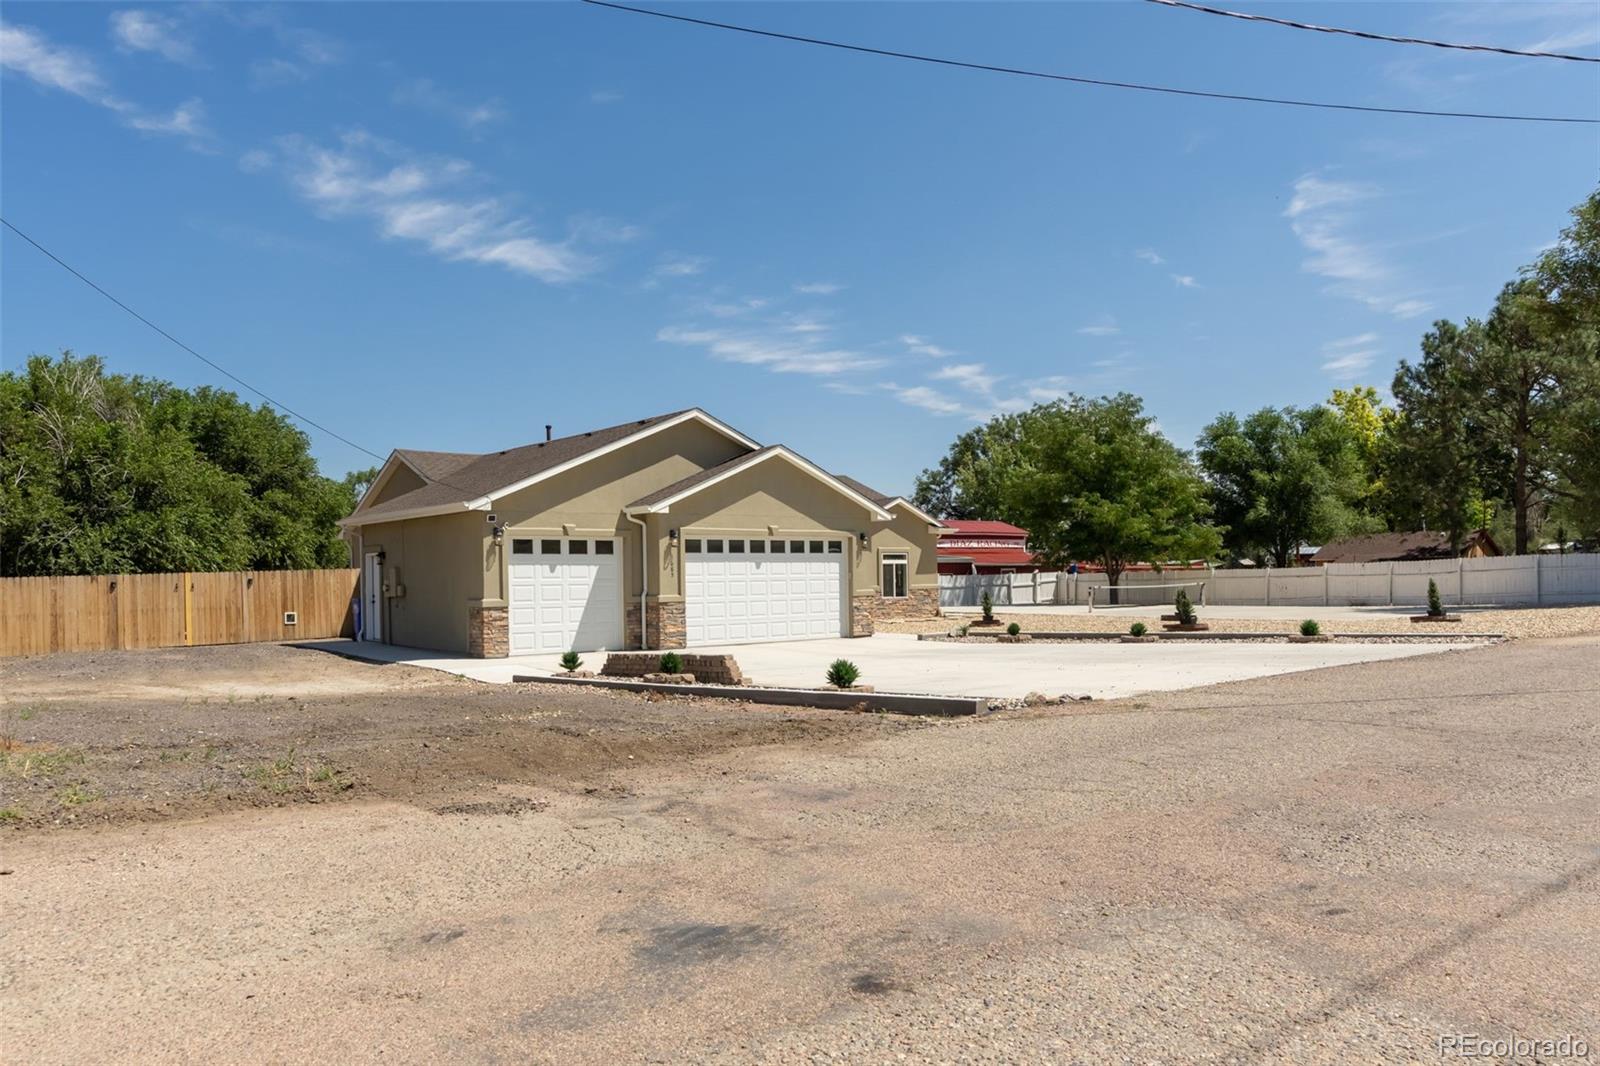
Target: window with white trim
(895,566)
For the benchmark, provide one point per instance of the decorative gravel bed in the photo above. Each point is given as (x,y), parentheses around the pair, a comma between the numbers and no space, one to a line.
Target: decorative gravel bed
(1234,638)
(1512,622)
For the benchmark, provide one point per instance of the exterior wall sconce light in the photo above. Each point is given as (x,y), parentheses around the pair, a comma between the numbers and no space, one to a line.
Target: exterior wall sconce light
(499,534)
(672,535)
(862,537)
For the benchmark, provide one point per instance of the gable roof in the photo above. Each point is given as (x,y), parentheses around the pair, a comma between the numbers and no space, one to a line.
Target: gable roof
(663,498)
(886,501)
(467,481)
(1399,547)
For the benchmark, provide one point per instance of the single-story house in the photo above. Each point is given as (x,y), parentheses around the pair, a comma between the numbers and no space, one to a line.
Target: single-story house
(1405,547)
(984,547)
(668,532)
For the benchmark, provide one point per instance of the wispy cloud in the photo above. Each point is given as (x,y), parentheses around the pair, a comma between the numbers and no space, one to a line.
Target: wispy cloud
(777,353)
(1349,357)
(423,94)
(426,200)
(1104,326)
(930,400)
(1321,216)
(276,71)
(143,31)
(818,288)
(307,50)
(1185,281)
(605,96)
(29,53)
(921,346)
(1151,256)
(681,266)
(973,377)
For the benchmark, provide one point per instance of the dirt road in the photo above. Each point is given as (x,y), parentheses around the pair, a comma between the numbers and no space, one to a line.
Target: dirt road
(1333,866)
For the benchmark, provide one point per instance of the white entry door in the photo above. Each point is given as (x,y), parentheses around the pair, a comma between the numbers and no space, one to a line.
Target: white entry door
(566,595)
(371,597)
(738,590)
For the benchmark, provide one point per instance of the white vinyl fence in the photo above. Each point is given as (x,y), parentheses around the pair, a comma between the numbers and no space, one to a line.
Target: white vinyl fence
(1519,579)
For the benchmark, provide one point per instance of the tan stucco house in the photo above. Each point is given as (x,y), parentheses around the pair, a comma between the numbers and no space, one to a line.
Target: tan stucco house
(678,521)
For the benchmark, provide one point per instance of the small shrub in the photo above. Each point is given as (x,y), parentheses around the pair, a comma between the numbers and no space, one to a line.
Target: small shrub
(843,673)
(1013,629)
(570,661)
(671,663)
(961,630)
(1435,604)
(1138,629)
(1310,628)
(1184,609)
(988,607)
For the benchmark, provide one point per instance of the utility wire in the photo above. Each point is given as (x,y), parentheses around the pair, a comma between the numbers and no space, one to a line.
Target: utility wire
(285,408)
(1373,36)
(1081,80)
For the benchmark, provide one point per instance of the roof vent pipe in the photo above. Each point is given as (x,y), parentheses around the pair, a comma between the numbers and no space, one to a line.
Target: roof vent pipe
(547,429)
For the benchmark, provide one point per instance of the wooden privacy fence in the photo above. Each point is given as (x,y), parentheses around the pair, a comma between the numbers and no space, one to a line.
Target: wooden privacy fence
(39,615)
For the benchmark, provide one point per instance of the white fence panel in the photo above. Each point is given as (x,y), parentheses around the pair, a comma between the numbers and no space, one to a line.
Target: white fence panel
(1505,579)
(1569,578)
(1358,584)
(1411,580)
(966,590)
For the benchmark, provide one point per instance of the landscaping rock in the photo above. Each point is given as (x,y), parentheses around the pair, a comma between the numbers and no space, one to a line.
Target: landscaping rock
(670,679)
(1300,638)
(1013,638)
(577,673)
(1036,699)
(1129,638)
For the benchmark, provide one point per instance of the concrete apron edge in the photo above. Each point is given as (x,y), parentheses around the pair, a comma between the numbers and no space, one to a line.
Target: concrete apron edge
(894,702)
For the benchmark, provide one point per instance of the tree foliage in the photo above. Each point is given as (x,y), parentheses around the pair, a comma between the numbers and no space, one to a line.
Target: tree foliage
(104,473)
(1089,479)
(1282,478)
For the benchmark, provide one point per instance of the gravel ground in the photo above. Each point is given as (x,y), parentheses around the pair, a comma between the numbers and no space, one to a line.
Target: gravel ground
(1333,866)
(1514,622)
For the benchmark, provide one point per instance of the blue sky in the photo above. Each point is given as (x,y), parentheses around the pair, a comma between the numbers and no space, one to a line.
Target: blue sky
(444,226)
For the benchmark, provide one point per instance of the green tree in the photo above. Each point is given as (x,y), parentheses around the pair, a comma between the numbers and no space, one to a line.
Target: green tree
(1371,423)
(1282,478)
(103,473)
(1090,480)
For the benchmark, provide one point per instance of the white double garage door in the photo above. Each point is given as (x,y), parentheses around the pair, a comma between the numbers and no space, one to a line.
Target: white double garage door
(566,592)
(737,590)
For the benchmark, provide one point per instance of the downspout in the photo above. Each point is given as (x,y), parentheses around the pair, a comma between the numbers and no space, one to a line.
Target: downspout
(644,577)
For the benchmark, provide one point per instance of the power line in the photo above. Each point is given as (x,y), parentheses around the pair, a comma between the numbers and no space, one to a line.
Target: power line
(1373,36)
(1169,90)
(285,408)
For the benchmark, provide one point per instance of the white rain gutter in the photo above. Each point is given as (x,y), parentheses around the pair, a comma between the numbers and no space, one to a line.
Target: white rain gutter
(644,577)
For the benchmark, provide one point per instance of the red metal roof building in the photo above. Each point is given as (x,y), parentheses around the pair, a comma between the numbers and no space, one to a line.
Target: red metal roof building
(979,547)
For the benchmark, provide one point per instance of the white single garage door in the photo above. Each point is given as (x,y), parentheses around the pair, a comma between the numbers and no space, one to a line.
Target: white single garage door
(738,590)
(566,595)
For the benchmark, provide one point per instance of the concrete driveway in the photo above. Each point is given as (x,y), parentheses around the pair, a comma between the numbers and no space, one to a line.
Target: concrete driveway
(897,662)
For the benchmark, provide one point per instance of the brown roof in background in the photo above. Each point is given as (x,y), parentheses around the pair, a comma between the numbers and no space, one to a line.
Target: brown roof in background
(456,477)
(1397,547)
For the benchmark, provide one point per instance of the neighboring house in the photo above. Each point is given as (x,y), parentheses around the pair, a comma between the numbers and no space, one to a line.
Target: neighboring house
(668,532)
(979,547)
(1405,547)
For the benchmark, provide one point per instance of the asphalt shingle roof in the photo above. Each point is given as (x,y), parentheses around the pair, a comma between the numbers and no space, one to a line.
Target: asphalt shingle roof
(456,477)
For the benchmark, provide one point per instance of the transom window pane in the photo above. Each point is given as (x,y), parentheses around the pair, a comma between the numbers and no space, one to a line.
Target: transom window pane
(692,545)
(758,547)
(797,545)
(714,546)
(835,547)
(778,547)
(605,547)
(521,545)
(736,545)
(816,547)
(577,547)
(550,547)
